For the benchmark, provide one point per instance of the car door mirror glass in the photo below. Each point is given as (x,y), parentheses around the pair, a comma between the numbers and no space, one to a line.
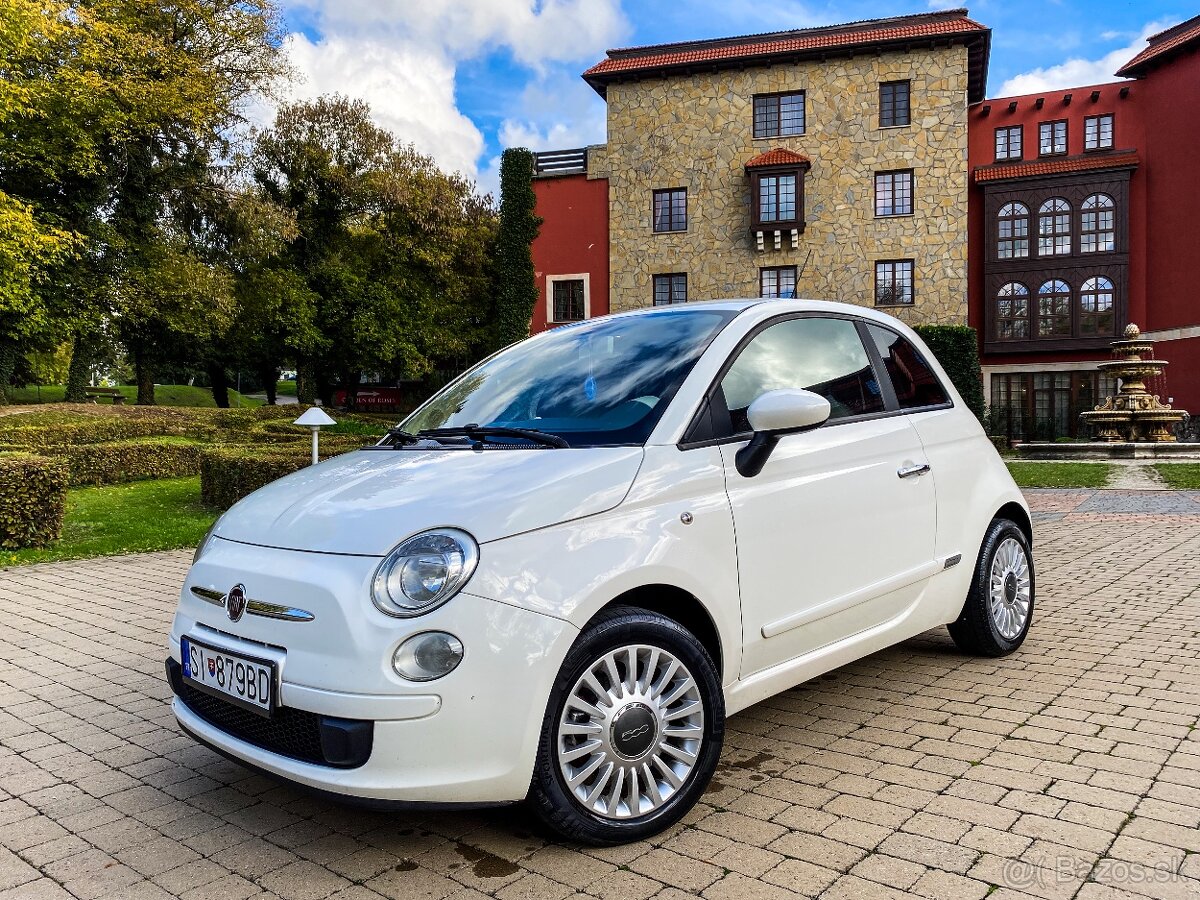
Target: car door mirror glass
(774,414)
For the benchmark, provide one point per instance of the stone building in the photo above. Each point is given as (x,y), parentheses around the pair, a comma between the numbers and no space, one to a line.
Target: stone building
(826,162)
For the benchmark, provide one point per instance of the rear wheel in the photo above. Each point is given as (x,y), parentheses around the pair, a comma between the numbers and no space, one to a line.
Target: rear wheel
(632,732)
(999,608)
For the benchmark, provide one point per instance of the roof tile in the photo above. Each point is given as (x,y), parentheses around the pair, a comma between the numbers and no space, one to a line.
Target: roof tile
(1065,165)
(778,157)
(1161,44)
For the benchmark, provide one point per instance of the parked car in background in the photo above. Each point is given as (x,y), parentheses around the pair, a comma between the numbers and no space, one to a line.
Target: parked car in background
(560,574)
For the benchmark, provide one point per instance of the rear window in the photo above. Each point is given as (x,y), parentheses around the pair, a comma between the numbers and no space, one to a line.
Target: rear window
(913,379)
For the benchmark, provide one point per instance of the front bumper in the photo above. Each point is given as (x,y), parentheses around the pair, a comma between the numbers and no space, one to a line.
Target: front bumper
(469,737)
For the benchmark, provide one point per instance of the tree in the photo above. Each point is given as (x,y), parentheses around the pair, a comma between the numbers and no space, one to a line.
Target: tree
(516,287)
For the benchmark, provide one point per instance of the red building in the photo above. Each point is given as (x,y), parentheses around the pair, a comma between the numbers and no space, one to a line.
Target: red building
(570,253)
(1082,216)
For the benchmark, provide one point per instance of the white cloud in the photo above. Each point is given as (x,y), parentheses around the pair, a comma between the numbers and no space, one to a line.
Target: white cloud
(1079,72)
(402,57)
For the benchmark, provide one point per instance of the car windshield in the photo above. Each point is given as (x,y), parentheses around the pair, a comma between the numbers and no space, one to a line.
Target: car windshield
(601,383)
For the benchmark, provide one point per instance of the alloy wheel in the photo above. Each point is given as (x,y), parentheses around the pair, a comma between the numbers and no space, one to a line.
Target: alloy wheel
(1008,589)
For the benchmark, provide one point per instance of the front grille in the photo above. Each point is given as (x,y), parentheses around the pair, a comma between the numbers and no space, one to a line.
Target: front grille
(294,733)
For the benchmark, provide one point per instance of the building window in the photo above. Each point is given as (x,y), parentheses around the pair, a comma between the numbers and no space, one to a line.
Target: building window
(1096,298)
(1040,405)
(1052,138)
(1054,309)
(670,288)
(894,193)
(778,115)
(893,104)
(1012,231)
(1054,228)
(777,281)
(777,198)
(894,282)
(1008,142)
(1097,228)
(670,210)
(1098,132)
(1012,312)
(569,303)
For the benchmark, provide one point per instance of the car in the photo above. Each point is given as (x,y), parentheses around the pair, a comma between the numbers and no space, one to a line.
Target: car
(555,579)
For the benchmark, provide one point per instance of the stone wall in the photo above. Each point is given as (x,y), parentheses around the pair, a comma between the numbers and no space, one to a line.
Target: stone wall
(696,132)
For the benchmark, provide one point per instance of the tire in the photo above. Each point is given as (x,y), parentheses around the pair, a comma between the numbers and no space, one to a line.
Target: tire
(648,727)
(997,615)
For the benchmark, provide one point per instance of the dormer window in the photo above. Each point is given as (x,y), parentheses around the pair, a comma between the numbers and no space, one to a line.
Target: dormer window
(777,195)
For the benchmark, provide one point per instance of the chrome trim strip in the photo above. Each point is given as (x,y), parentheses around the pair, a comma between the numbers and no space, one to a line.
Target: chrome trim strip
(256,607)
(274,611)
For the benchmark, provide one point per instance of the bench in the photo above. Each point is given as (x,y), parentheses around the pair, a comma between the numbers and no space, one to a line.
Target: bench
(94,394)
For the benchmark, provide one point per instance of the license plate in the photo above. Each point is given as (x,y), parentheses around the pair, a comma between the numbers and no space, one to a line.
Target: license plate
(236,677)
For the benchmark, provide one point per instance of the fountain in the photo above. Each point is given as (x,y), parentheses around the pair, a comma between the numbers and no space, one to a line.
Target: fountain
(1134,414)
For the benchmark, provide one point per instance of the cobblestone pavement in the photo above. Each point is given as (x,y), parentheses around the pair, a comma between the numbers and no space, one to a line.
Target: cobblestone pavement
(1071,769)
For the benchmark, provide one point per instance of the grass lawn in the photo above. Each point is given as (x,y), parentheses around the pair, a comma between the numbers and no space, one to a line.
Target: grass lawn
(164,395)
(1059,474)
(286,389)
(125,518)
(1180,476)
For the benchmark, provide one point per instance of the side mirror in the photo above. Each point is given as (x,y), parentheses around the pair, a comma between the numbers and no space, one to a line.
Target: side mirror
(773,415)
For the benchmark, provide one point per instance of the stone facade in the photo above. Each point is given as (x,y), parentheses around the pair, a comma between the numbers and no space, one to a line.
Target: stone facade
(696,131)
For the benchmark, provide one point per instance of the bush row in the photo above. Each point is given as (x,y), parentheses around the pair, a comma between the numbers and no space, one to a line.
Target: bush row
(121,461)
(227,474)
(33,496)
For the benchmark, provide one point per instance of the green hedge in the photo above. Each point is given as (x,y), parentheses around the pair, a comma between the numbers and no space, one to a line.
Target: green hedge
(957,349)
(227,474)
(33,496)
(121,461)
(98,431)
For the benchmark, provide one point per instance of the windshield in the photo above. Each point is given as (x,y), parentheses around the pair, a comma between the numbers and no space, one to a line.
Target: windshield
(599,383)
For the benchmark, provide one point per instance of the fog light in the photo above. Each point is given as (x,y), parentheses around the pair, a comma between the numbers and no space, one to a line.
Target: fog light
(426,656)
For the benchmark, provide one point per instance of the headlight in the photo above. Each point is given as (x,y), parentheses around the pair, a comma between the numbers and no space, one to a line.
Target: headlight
(424,572)
(205,542)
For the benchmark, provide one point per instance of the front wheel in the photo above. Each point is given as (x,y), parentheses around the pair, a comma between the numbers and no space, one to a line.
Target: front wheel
(999,608)
(632,732)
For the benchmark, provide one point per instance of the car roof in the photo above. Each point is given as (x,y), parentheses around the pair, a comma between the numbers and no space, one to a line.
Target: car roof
(769,305)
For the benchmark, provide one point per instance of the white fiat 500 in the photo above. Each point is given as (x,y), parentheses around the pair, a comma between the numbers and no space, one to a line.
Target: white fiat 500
(556,578)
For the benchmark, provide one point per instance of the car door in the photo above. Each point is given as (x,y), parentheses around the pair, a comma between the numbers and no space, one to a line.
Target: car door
(836,534)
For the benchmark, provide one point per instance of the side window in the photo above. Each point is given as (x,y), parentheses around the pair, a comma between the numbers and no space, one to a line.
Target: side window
(914,381)
(825,356)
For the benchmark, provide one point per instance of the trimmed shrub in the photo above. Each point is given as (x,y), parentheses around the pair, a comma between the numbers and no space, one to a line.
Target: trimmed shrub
(227,474)
(957,349)
(121,461)
(33,497)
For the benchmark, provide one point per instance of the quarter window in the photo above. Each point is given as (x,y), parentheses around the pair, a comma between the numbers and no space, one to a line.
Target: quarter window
(1098,132)
(670,288)
(569,303)
(777,281)
(1012,231)
(1097,229)
(894,107)
(1096,306)
(670,210)
(894,193)
(894,282)
(779,115)
(1052,138)
(1054,227)
(1012,312)
(1054,309)
(912,378)
(825,356)
(1008,142)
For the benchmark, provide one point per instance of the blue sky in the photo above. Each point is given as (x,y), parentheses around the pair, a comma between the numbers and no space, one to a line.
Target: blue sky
(462,79)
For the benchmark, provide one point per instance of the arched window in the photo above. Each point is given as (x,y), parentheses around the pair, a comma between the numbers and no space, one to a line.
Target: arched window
(1012,312)
(1054,309)
(1097,233)
(1096,306)
(1012,233)
(1054,228)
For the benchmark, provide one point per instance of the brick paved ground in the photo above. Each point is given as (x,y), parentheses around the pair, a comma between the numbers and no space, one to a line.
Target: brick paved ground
(1071,769)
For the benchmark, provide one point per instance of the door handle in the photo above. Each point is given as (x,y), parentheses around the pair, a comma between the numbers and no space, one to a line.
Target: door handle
(909,471)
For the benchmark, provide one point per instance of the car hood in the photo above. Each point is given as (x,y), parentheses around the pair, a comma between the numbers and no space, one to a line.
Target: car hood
(366,502)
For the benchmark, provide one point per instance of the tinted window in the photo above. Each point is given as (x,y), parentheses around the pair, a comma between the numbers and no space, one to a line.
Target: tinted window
(820,355)
(914,381)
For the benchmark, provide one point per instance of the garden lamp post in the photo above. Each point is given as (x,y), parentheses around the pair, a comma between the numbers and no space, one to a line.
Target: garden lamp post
(314,418)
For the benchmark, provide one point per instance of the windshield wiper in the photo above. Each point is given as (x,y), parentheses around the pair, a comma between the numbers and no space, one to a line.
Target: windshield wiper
(398,437)
(480,434)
